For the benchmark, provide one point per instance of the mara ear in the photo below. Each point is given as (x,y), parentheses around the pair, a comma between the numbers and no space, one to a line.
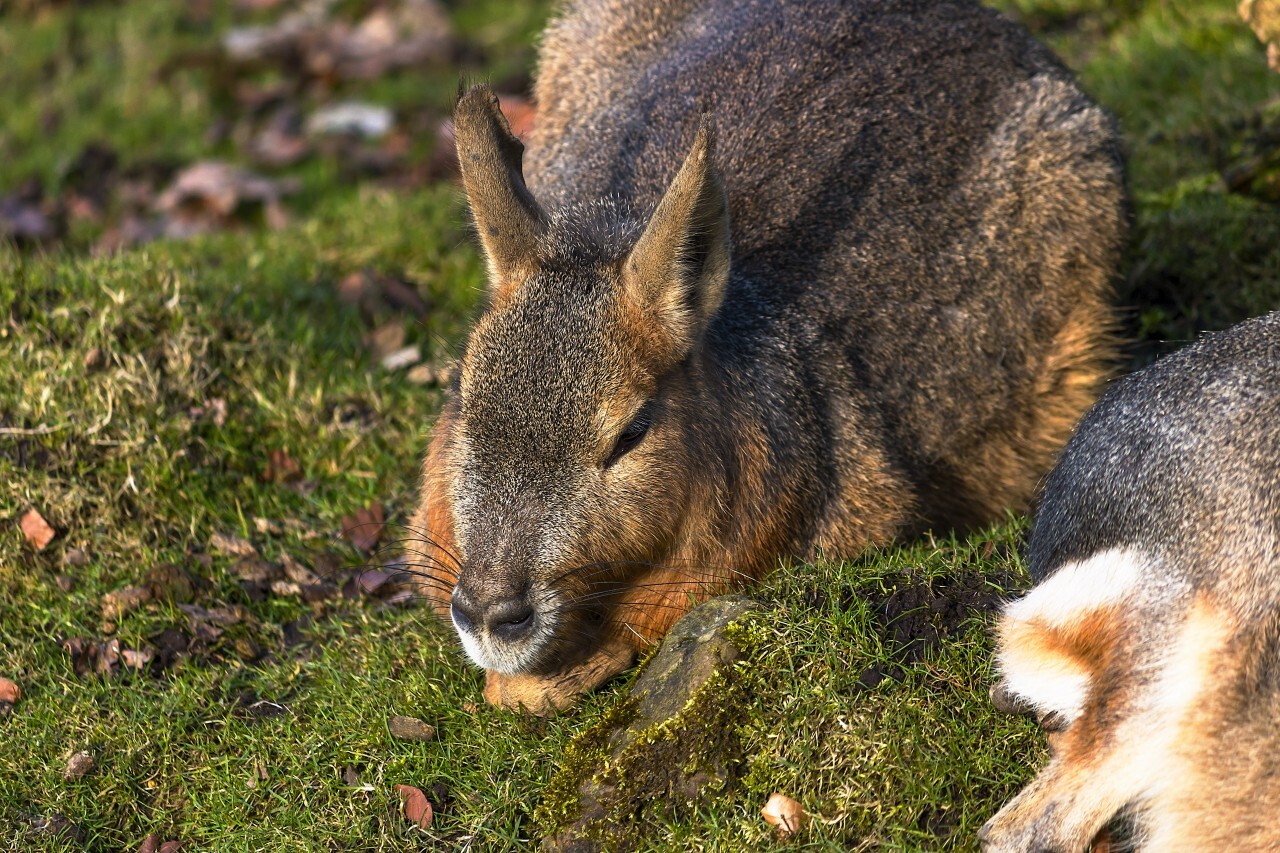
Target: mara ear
(679,268)
(507,217)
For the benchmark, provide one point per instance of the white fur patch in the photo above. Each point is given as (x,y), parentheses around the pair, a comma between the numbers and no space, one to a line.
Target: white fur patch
(1054,683)
(1102,580)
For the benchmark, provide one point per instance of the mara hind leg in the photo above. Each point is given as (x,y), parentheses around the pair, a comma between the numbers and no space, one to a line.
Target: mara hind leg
(1070,651)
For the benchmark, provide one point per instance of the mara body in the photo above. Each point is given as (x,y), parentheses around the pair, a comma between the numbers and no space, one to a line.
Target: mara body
(1151,647)
(773,279)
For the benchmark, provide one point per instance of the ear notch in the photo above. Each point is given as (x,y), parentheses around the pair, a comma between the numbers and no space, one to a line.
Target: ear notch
(507,217)
(678,271)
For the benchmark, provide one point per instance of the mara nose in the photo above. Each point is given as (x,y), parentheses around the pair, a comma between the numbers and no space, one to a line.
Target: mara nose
(509,620)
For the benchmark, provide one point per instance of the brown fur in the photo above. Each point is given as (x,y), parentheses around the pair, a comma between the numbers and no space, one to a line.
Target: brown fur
(846,286)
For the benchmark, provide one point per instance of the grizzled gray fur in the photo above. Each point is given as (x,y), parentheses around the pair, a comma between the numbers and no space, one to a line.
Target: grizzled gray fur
(785,279)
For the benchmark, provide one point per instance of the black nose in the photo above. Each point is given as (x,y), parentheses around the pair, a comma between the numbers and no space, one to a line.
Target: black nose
(464,616)
(510,620)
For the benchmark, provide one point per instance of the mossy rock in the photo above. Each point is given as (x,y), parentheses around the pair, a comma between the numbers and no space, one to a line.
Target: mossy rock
(671,744)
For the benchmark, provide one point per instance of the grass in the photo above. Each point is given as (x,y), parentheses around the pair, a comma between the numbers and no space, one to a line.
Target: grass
(121,461)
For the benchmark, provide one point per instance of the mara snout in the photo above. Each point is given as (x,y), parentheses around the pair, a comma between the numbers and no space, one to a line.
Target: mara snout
(770,281)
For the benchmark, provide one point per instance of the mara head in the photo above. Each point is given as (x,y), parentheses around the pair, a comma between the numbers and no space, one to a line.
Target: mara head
(565,464)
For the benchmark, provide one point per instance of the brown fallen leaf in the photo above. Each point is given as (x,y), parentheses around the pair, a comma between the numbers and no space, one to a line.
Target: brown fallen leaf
(171,582)
(256,570)
(77,766)
(371,580)
(137,658)
(297,572)
(10,692)
(785,814)
(211,196)
(363,529)
(38,532)
(150,844)
(170,847)
(417,808)
(232,545)
(282,468)
(311,42)
(27,218)
(385,340)
(90,657)
(122,601)
(279,142)
(57,826)
(431,374)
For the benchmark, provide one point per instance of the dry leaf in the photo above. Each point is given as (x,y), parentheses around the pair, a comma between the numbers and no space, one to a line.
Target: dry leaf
(417,809)
(77,766)
(282,468)
(9,691)
(363,529)
(256,570)
(116,604)
(38,532)
(211,196)
(27,218)
(440,373)
(232,545)
(402,358)
(137,658)
(784,814)
(297,572)
(386,339)
(150,844)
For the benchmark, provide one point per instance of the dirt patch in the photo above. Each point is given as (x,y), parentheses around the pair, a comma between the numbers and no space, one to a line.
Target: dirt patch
(917,615)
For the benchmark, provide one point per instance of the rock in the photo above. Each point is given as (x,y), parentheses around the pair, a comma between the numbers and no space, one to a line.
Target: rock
(77,766)
(673,741)
(410,728)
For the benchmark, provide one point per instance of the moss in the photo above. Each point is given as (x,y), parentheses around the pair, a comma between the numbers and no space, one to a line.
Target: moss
(619,781)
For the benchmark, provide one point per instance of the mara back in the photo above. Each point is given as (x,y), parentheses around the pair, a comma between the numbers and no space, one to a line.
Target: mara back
(772,279)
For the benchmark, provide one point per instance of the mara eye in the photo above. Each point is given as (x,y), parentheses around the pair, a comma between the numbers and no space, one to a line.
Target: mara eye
(633,434)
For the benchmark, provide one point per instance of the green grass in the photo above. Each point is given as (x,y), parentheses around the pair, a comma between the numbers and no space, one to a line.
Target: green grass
(115,459)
